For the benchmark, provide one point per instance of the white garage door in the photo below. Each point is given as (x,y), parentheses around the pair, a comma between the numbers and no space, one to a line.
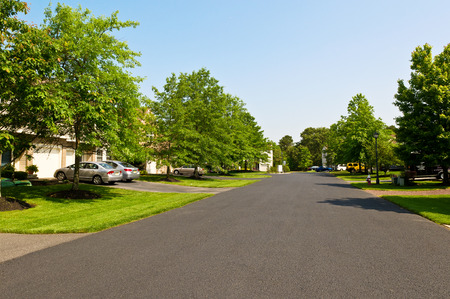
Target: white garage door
(70,157)
(47,159)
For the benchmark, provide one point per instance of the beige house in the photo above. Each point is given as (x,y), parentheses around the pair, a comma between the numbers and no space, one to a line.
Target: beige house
(49,157)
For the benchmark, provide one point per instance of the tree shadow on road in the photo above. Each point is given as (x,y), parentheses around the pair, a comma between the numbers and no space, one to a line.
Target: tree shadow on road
(341,185)
(369,203)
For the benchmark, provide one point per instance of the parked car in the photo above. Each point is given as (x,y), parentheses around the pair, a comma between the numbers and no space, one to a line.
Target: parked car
(354,167)
(341,167)
(313,167)
(396,168)
(95,172)
(188,170)
(440,173)
(129,171)
(323,168)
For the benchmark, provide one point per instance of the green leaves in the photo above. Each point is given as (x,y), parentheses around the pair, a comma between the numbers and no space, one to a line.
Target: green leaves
(424,127)
(197,123)
(68,77)
(351,139)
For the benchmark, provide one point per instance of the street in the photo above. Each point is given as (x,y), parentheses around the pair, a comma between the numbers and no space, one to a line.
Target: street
(301,235)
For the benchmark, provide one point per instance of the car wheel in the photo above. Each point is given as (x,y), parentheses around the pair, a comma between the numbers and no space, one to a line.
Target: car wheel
(97,180)
(176,172)
(60,176)
(440,176)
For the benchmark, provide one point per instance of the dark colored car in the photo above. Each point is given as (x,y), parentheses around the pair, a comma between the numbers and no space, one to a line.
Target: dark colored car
(323,168)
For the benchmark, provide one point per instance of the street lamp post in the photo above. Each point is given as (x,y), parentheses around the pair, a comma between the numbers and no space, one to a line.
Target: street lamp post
(376,154)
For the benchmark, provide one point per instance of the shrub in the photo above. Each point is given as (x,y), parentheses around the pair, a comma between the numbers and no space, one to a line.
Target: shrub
(286,168)
(272,169)
(20,175)
(7,171)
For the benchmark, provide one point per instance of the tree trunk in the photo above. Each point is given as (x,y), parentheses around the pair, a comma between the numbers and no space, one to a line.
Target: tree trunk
(445,180)
(167,172)
(196,174)
(76,173)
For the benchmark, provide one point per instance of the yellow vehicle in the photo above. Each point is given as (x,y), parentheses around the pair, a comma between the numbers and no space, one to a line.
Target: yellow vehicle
(354,167)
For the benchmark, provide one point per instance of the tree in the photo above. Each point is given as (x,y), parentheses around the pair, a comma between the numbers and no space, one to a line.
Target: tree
(277,159)
(26,66)
(298,157)
(94,96)
(286,142)
(134,141)
(197,123)
(424,127)
(351,138)
(315,140)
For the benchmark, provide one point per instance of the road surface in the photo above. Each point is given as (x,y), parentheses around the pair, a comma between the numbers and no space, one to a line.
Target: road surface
(304,235)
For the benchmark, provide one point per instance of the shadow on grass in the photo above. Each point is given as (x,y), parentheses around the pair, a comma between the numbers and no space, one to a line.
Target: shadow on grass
(42,192)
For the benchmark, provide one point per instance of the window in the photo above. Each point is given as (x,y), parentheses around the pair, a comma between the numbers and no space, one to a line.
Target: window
(6,158)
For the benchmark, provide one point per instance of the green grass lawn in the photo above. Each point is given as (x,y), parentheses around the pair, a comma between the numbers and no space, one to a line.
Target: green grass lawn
(434,207)
(419,186)
(116,207)
(242,175)
(203,182)
(347,176)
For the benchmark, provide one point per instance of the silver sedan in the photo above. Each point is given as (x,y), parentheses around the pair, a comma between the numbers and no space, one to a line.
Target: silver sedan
(95,172)
(188,170)
(129,171)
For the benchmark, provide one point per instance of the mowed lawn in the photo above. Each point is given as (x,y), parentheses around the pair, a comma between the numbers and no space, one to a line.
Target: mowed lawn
(433,207)
(203,182)
(115,207)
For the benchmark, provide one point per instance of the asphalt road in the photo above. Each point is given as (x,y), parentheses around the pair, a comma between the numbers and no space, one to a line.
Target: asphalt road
(290,236)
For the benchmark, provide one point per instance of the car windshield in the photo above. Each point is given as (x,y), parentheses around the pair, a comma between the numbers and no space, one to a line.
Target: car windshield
(106,166)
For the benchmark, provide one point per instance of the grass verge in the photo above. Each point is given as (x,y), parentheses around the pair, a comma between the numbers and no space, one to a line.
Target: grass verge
(116,207)
(346,176)
(433,207)
(203,182)
(387,186)
(242,175)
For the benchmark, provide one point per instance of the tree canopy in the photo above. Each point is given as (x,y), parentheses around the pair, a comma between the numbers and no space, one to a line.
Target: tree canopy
(352,139)
(197,123)
(424,127)
(68,78)
(315,139)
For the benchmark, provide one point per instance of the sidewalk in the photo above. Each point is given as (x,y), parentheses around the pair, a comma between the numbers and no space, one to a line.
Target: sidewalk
(16,245)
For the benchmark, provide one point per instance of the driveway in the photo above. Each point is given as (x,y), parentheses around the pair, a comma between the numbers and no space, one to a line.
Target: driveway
(168,188)
(290,236)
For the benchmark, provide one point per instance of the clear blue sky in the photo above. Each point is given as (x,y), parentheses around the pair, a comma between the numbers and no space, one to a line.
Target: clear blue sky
(296,64)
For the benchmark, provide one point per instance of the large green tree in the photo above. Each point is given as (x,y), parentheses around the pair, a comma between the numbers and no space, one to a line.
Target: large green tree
(26,67)
(286,142)
(351,139)
(96,97)
(424,127)
(315,139)
(298,157)
(197,123)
